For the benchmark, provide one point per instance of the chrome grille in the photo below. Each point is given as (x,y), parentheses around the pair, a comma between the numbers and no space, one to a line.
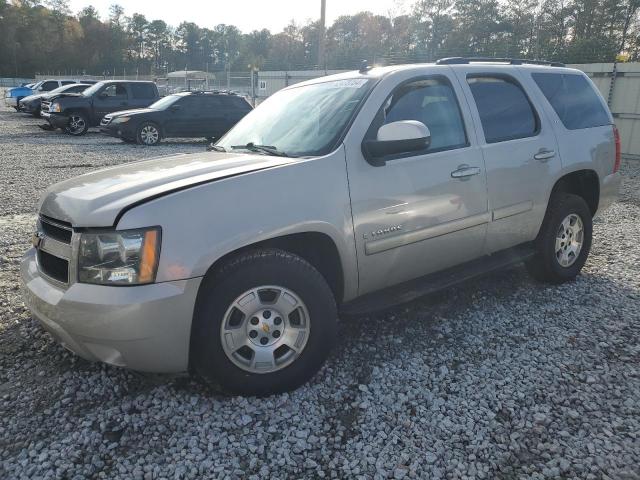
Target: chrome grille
(53,243)
(105,120)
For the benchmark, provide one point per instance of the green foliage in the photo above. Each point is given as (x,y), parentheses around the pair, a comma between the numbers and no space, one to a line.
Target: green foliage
(44,37)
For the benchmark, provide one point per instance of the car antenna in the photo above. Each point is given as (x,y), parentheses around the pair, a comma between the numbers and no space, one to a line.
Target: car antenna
(364,67)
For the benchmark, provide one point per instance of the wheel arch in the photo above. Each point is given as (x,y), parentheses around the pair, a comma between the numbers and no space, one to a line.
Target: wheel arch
(317,248)
(584,183)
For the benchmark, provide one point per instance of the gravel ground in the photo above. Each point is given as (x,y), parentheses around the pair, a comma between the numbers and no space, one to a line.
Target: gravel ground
(498,378)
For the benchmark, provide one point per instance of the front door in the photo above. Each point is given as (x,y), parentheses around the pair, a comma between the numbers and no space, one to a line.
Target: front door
(519,148)
(427,210)
(111,98)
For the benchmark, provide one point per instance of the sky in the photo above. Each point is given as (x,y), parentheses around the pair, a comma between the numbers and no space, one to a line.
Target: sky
(247,15)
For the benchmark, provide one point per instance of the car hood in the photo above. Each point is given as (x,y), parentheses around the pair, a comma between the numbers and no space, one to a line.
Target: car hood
(31,98)
(15,91)
(123,113)
(97,199)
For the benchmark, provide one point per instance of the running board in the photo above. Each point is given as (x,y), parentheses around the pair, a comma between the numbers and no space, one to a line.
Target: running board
(407,291)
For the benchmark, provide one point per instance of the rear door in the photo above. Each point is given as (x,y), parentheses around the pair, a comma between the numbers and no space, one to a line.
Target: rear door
(142,95)
(112,97)
(519,149)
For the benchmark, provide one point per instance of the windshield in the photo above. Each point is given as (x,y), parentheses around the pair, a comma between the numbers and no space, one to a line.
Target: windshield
(35,86)
(164,102)
(93,89)
(301,121)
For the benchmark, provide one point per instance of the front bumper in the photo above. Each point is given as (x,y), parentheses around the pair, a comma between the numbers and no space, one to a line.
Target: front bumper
(55,119)
(31,107)
(11,101)
(609,191)
(144,328)
(118,130)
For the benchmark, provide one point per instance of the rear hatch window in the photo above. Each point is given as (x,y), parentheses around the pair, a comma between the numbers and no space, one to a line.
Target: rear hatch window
(573,98)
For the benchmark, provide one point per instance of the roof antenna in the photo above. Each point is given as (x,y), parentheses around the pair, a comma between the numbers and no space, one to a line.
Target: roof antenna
(364,66)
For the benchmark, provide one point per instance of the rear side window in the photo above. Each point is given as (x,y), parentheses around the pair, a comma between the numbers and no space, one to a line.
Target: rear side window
(431,101)
(68,82)
(143,91)
(236,102)
(505,110)
(573,99)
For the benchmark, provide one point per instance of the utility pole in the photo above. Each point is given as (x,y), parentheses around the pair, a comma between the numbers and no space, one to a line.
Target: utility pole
(322,35)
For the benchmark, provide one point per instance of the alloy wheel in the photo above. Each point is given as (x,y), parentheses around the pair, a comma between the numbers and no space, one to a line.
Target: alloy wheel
(265,329)
(77,124)
(149,135)
(569,240)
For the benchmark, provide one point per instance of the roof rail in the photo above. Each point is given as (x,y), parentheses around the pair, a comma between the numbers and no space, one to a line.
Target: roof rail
(511,61)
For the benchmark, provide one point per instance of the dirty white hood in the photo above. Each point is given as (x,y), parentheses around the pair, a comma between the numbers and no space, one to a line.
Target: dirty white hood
(97,198)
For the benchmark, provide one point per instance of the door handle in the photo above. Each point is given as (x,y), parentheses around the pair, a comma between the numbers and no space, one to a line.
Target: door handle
(544,155)
(465,171)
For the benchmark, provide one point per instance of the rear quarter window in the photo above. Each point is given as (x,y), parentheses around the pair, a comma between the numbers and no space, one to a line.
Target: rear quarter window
(573,98)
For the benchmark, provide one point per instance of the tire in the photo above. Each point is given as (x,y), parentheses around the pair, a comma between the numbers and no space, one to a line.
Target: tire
(148,134)
(78,124)
(554,261)
(272,279)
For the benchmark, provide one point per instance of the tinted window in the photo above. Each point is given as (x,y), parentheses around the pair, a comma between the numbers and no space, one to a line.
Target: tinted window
(430,101)
(114,90)
(505,110)
(76,88)
(237,102)
(68,82)
(210,101)
(143,90)
(48,86)
(573,99)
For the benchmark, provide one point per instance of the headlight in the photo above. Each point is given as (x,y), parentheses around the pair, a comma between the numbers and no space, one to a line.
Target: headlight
(55,107)
(120,120)
(127,257)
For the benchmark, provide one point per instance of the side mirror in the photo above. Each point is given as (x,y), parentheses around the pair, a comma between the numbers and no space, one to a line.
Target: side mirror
(103,95)
(175,108)
(403,136)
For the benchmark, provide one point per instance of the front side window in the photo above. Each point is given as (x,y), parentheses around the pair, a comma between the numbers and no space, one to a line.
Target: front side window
(573,99)
(302,121)
(505,110)
(431,101)
(115,90)
(48,86)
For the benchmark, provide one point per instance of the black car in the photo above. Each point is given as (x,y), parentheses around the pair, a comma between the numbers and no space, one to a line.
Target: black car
(187,114)
(75,113)
(32,103)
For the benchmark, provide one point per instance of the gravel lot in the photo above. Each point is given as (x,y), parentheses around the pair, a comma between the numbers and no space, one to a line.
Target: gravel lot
(498,378)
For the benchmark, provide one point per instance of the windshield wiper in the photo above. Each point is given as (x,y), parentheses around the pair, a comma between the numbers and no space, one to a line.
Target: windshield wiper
(269,149)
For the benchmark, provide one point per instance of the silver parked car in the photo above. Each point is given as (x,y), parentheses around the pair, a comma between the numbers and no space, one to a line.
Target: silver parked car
(349,193)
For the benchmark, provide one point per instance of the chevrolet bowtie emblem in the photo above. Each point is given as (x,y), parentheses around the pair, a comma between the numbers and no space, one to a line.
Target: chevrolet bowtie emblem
(265,328)
(36,239)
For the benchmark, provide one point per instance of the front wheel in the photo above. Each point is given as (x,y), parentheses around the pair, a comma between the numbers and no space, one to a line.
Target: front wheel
(148,134)
(564,241)
(264,323)
(78,124)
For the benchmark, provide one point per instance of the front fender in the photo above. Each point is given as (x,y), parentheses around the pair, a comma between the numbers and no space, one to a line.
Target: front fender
(206,222)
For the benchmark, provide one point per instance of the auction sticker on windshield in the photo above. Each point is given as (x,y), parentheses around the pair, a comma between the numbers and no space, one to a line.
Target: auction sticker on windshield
(350,83)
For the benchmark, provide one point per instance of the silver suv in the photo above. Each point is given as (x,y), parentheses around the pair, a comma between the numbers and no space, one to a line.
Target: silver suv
(346,193)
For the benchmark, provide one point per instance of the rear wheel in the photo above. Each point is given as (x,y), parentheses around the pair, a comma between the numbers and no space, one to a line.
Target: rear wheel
(265,323)
(564,241)
(78,124)
(148,134)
